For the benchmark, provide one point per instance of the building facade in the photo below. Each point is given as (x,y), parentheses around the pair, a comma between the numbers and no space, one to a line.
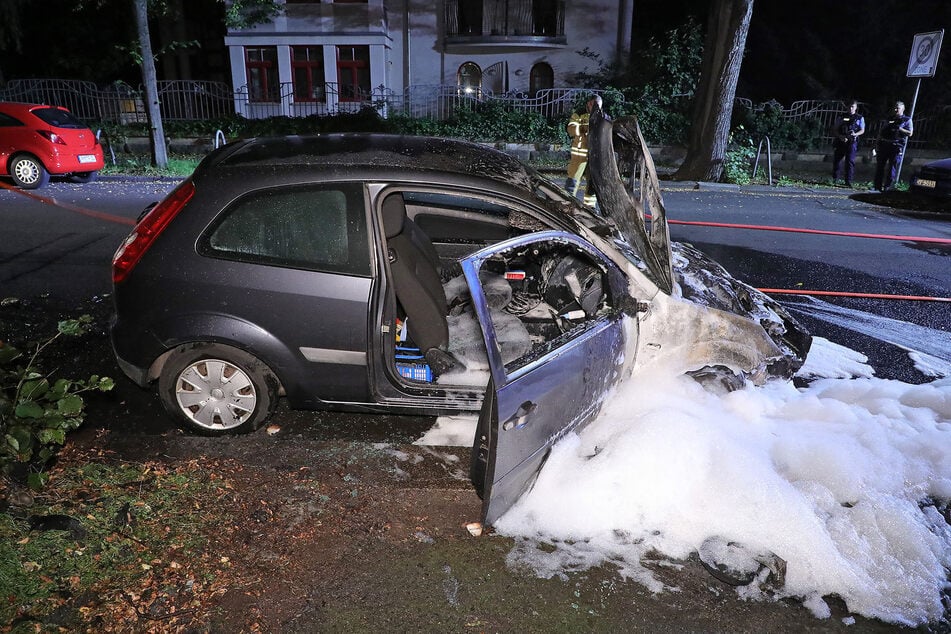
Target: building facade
(338,55)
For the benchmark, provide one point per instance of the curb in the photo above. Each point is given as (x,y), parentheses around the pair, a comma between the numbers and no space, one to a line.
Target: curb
(119,178)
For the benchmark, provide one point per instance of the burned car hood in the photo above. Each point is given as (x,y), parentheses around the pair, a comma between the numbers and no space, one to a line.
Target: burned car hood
(636,208)
(710,318)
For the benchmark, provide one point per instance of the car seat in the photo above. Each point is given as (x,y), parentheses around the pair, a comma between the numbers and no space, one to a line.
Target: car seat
(414,265)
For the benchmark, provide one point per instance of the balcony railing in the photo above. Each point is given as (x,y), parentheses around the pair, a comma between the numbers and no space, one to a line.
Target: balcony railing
(505,22)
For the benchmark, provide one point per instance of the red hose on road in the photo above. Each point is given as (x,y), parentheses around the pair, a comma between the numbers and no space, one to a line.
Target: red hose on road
(849,234)
(788,291)
(74,208)
(772,291)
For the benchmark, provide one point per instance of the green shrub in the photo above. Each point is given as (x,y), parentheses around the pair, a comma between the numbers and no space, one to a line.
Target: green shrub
(738,165)
(36,411)
(491,122)
(784,134)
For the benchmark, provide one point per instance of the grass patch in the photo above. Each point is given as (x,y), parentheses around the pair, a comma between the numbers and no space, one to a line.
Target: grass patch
(137,165)
(113,546)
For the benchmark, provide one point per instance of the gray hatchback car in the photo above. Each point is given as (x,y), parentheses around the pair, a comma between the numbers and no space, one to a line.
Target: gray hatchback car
(423,275)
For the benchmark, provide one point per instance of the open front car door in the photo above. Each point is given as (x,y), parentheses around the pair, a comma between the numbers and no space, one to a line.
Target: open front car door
(566,297)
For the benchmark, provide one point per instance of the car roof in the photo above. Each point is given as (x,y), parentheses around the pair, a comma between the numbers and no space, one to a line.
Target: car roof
(374,154)
(23,107)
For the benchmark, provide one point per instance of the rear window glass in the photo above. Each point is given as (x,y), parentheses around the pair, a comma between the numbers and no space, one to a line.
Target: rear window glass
(315,228)
(58,118)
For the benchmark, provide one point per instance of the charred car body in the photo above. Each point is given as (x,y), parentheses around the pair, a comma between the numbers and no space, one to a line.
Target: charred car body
(421,275)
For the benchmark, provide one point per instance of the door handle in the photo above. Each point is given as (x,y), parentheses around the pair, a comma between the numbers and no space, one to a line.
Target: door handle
(520,418)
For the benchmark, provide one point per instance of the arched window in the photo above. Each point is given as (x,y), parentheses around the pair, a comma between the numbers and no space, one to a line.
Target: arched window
(469,79)
(541,78)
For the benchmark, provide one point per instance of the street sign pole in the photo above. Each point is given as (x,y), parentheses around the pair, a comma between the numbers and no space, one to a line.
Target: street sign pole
(925,50)
(911,113)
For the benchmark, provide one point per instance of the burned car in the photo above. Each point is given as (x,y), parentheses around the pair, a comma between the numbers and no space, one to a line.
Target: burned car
(418,275)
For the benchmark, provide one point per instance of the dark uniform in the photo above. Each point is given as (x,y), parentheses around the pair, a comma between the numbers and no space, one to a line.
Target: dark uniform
(891,145)
(850,127)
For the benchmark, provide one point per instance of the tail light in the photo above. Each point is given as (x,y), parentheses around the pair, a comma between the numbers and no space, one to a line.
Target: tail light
(148,229)
(52,137)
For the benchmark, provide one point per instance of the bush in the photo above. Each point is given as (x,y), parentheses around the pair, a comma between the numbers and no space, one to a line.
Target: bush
(768,121)
(485,121)
(738,165)
(37,411)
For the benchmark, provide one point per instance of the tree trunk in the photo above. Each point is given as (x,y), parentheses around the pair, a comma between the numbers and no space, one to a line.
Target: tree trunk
(150,84)
(729,22)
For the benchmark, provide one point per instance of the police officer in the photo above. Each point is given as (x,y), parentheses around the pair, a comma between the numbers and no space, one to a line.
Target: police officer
(890,147)
(578,132)
(847,132)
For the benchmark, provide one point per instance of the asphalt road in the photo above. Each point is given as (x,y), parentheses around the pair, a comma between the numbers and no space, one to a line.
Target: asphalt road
(885,330)
(60,241)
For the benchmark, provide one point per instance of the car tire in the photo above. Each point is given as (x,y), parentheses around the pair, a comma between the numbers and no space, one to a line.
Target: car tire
(84,177)
(216,390)
(28,172)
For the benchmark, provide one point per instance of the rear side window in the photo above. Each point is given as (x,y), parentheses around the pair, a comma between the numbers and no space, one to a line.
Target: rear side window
(314,228)
(58,118)
(6,121)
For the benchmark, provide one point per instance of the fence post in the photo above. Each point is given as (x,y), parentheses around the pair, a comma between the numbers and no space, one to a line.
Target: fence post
(112,152)
(769,160)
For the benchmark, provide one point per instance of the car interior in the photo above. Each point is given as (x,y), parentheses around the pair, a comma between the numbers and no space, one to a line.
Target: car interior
(537,295)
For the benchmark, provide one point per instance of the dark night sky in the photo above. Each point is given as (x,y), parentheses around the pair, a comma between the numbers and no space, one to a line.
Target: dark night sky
(825,49)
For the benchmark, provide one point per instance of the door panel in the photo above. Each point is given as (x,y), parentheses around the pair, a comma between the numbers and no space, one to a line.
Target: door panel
(534,401)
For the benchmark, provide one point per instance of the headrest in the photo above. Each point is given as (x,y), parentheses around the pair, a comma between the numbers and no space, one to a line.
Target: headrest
(394,214)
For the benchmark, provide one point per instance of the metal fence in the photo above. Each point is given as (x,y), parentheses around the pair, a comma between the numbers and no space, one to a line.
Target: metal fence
(205,100)
(422,101)
(932,126)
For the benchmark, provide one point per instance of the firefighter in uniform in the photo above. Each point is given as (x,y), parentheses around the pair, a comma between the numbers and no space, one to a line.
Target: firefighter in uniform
(578,159)
(890,147)
(848,130)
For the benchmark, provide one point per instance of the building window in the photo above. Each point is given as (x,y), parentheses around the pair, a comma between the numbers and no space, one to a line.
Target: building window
(307,68)
(353,72)
(469,79)
(545,18)
(541,78)
(263,80)
(470,17)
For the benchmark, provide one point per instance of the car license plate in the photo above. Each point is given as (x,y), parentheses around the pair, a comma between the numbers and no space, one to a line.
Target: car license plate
(87,158)
(924,182)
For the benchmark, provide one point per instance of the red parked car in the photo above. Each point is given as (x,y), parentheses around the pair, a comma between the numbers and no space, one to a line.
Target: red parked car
(37,141)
